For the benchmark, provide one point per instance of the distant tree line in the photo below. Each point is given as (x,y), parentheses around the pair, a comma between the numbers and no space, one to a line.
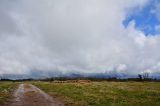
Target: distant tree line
(140,77)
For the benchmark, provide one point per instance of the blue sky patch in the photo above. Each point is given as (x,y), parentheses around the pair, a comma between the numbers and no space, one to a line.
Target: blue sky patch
(145,19)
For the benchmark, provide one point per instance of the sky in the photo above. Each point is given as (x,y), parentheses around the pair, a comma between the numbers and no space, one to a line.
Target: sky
(58,37)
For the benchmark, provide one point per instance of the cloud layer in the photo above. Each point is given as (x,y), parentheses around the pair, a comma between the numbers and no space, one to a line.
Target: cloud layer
(85,36)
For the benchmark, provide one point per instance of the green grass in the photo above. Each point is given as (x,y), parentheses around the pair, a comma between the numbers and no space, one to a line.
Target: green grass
(6,90)
(105,93)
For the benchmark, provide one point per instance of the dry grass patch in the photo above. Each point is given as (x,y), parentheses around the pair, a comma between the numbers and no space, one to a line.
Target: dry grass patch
(105,93)
(6,90)
(30,93)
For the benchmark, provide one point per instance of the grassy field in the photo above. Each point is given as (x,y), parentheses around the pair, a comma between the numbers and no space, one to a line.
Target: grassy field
(105,93)
(6,90)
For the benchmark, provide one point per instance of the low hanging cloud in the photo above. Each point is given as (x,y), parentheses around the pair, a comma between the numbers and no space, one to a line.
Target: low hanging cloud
(74,36)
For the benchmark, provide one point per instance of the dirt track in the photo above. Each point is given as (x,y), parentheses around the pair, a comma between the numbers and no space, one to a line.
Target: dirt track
(29,95)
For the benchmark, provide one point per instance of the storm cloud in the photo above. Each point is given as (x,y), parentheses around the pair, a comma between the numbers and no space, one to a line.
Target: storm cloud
(79,36)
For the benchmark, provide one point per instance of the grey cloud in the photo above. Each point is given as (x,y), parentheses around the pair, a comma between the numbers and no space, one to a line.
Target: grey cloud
(73,36)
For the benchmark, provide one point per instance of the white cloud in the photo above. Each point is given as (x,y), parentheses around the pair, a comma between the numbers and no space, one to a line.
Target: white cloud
(73,36)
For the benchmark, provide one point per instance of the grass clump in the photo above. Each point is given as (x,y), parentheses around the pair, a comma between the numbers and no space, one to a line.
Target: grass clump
(6,90)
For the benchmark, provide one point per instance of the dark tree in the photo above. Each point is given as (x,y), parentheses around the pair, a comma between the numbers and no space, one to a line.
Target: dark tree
(140,76)
(146,75)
